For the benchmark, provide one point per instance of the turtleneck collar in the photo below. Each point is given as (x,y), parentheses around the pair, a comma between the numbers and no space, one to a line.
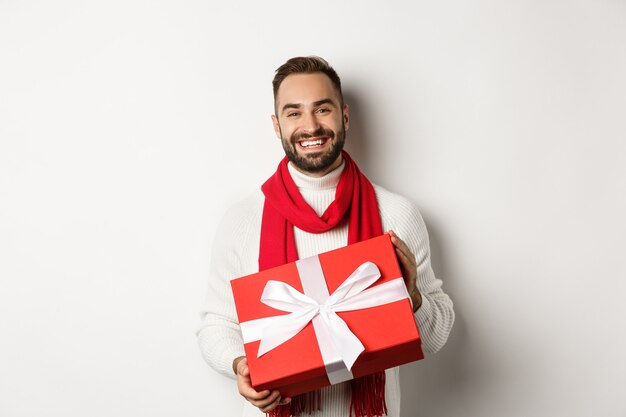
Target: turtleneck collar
(328,181)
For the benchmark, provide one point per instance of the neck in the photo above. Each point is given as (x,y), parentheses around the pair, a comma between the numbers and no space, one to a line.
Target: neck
(307,182)
(319,174)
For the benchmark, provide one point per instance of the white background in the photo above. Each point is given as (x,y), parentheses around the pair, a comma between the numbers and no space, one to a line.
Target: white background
(127,128)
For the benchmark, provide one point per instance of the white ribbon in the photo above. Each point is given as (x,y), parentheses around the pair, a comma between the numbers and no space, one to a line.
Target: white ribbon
(339,346)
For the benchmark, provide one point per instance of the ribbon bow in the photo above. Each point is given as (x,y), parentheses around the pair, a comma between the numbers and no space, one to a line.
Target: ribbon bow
(318,306)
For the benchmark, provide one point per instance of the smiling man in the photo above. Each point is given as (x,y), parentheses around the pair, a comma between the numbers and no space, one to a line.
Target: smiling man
(318,200)
(311,121)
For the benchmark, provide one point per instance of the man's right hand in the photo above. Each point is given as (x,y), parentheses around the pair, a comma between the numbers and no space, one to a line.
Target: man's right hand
(263,400)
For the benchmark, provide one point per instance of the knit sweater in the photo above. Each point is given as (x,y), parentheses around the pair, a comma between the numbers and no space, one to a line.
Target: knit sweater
(236,252)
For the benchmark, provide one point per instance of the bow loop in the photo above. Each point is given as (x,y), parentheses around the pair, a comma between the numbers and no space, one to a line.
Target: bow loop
(284,297)
(362,277)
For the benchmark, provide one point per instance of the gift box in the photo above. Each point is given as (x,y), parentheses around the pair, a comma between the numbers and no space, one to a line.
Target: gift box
(326,319)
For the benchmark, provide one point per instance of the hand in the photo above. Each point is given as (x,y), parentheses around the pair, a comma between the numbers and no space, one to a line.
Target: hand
(263,400)
(408,267)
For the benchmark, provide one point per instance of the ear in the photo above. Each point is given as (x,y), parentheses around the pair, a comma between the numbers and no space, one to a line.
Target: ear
(346,116)
(276,126)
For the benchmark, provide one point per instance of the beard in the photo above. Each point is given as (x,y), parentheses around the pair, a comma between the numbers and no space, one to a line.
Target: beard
(318,161)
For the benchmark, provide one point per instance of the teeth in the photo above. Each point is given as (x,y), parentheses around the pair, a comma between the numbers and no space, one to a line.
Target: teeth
(307,143)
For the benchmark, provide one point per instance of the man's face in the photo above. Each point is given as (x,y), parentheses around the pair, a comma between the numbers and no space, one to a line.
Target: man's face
(311,122)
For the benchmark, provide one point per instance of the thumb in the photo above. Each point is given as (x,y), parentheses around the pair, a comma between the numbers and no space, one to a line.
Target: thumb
(242,367)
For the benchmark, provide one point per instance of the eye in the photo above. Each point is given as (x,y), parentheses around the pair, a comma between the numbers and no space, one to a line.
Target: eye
(292,114)
(323,110)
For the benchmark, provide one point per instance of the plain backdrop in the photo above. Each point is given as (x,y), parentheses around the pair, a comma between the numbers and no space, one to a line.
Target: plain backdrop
(127,129)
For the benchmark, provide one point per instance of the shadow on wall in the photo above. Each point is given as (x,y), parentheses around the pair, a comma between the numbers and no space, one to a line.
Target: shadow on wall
(357,141)
(462,374)
(428,386)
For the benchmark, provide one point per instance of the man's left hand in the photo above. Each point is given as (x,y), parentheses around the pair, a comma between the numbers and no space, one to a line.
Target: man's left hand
(409,268)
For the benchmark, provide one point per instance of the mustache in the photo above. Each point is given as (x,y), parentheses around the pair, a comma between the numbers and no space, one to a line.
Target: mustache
(319,132)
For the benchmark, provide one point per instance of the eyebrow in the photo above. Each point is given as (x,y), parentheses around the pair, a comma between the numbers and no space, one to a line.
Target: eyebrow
(291,106)
(315,104)
(323,101)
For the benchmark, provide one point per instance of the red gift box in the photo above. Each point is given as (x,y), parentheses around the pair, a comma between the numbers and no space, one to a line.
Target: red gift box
(388,332)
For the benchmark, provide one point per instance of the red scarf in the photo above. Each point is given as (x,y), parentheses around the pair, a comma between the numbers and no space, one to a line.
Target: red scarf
(285,208)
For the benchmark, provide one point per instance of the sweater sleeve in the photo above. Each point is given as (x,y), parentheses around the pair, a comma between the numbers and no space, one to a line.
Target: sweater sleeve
(219,335)
(435,316)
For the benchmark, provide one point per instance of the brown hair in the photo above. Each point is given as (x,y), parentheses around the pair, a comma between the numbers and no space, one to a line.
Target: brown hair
(306,65)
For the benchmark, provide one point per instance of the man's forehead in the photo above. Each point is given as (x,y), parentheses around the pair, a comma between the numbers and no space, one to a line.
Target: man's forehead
(306,88)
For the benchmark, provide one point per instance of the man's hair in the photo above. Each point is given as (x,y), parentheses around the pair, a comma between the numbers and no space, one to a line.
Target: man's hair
(306,65)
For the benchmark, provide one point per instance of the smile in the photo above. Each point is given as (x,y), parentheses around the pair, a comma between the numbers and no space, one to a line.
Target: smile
(312,143)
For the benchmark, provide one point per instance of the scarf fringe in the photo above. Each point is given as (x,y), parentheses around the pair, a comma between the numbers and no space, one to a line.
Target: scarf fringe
(368,399)
(368,396)
(307,402)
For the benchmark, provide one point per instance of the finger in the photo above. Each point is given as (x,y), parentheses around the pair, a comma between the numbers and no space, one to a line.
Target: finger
(242,365)
(242,368)
(247,390)
(409,272)
(408,267)
(275,404)
(274,397)
(404,260)
(251,394)
(402,247)
(244,384)
(397,242)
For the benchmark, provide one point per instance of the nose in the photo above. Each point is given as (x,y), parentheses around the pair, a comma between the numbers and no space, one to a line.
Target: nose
(310,123)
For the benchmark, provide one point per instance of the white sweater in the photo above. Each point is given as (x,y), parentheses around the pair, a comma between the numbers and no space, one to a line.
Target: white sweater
(236,253)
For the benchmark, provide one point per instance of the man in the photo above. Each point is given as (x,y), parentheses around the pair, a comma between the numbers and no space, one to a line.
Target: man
(317,201)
